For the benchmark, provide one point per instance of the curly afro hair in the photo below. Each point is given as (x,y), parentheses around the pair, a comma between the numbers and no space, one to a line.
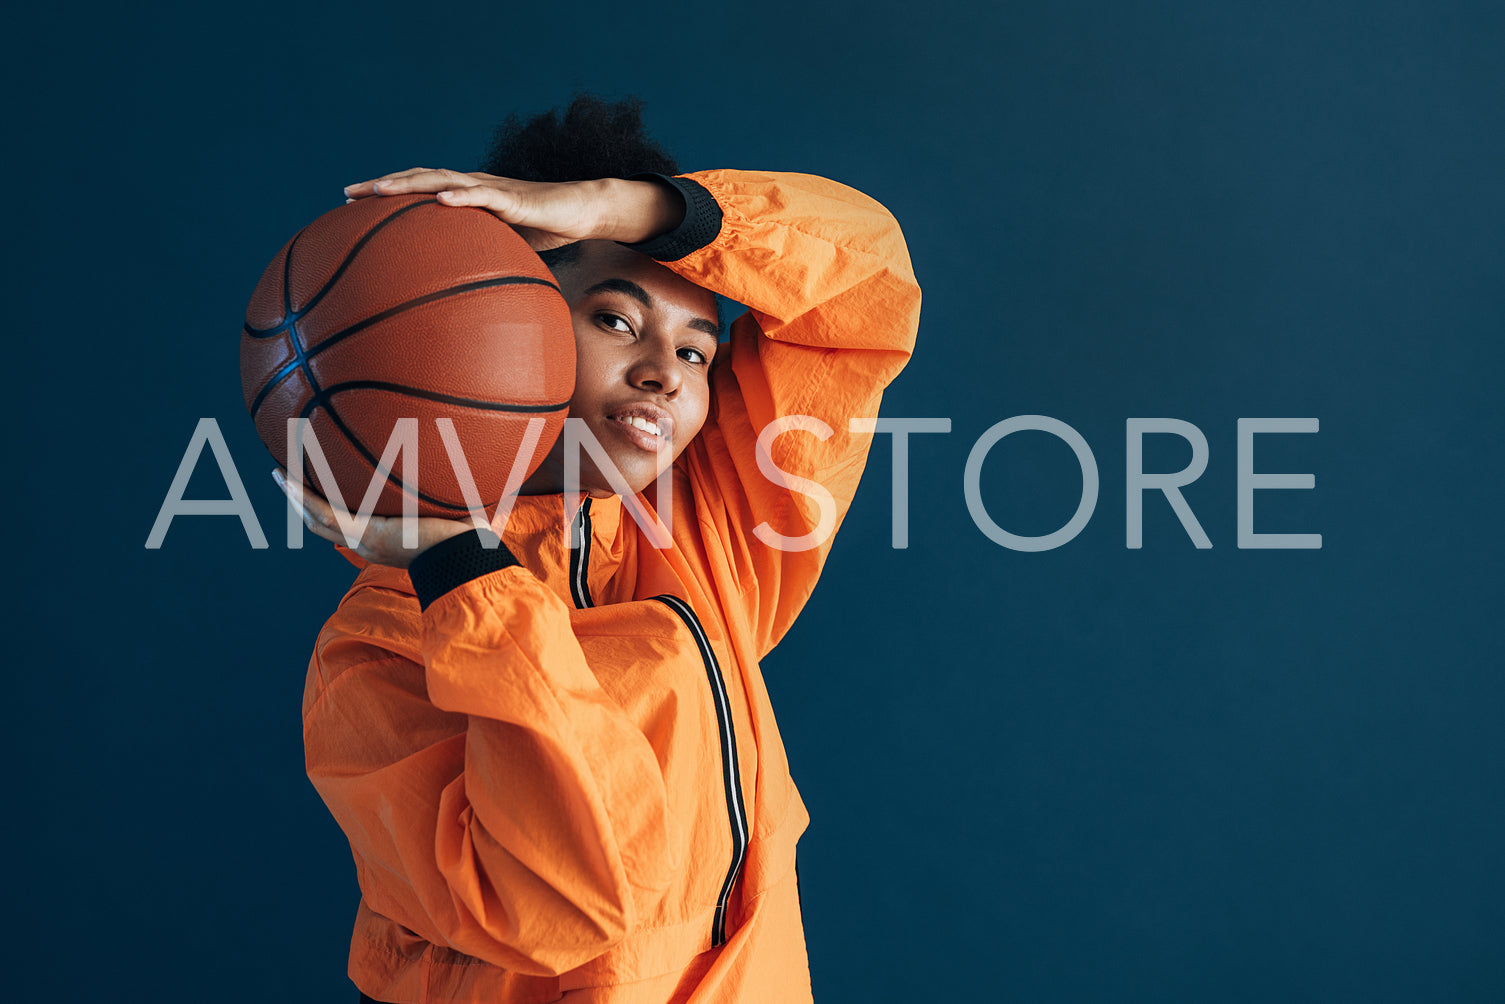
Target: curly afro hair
(593,139)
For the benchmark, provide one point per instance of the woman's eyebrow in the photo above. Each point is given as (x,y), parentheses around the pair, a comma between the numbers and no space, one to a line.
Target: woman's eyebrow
(627,286)
(638,293)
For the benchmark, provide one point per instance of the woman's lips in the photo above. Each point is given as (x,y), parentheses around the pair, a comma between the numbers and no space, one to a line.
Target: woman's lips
(644,426)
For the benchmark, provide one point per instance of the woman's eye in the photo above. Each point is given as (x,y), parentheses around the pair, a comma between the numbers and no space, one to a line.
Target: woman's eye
(693,355)
(614,322)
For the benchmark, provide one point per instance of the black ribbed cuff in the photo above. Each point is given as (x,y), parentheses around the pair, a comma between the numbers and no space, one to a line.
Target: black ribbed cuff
(454,562)
(701,225)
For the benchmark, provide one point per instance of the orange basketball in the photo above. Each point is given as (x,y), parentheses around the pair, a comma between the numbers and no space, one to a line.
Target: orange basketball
(399,307)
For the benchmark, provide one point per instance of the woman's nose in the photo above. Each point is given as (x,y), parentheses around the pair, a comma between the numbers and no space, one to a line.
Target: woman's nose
(656,368)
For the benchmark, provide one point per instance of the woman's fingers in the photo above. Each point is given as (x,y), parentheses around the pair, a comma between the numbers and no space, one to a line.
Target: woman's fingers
(385,540)
(451,187)
(361,189)
(422,180)
(317,514)
(547,214)
(414,179)
(503,202)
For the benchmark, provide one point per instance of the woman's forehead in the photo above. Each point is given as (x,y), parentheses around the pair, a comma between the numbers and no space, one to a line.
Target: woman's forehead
(606,266)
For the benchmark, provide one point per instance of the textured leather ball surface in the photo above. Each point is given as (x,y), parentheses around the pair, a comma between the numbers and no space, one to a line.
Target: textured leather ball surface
(399,307)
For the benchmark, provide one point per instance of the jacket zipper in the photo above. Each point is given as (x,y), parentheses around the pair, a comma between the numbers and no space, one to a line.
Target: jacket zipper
(731,775)
(580,555)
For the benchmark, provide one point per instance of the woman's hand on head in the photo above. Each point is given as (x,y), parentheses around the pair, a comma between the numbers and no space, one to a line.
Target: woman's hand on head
(381,542)
(546,214)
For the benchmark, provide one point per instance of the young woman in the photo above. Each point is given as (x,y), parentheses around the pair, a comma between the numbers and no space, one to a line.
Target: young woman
(555,758)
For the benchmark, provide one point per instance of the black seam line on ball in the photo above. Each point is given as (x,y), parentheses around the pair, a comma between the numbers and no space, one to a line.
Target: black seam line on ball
(288,313)
(377,467)
(287,283)
(300,351)
(303,355)
(322,398)
(290,324)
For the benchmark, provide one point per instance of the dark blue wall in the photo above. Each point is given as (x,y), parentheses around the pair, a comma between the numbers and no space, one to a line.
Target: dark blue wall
(1087,774)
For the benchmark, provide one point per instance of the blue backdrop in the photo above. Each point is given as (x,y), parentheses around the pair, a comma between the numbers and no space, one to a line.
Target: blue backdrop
(1087,774)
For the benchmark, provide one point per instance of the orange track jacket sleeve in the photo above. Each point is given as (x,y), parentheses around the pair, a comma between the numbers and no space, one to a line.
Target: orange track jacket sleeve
(534,852)
(833,314)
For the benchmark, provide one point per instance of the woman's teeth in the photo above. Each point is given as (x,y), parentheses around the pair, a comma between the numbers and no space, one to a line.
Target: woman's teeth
(639,423)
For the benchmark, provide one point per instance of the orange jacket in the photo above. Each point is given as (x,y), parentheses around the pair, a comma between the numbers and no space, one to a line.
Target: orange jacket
(562,779)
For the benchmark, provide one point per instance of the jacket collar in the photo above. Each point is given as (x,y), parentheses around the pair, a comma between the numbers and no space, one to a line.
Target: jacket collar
(536,516)
(539,529)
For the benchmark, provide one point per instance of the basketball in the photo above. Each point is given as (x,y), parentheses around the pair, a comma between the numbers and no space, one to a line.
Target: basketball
(401,308)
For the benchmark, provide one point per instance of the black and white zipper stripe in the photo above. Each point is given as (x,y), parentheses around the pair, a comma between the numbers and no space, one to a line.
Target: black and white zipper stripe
(580,556)
(580,544)
(731,775)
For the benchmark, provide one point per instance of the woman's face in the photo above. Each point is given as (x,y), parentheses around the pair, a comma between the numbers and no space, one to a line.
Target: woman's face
(644,339)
